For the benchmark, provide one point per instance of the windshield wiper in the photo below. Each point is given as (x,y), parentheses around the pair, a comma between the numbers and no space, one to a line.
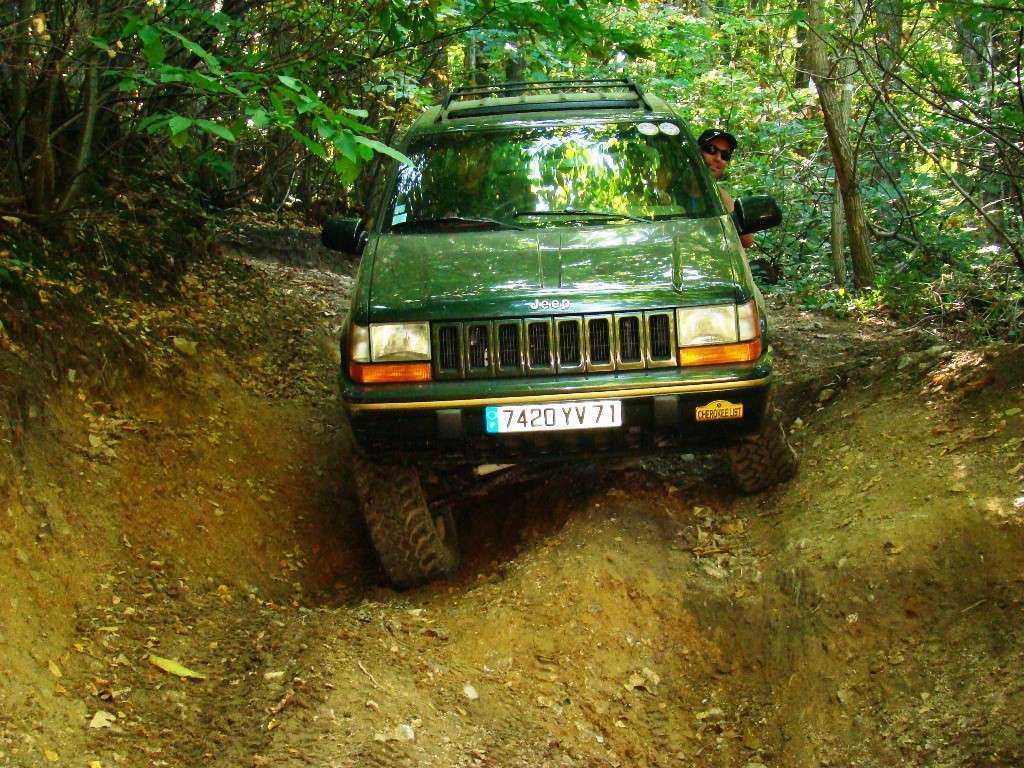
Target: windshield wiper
(458,222)
(581,212)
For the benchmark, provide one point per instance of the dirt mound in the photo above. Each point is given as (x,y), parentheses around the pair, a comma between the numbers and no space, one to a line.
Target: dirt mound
(865,614)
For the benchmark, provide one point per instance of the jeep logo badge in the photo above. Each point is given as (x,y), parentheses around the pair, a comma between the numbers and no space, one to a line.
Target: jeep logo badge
(550,304)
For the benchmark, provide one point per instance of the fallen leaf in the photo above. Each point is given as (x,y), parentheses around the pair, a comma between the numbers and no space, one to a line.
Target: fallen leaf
(50,755)
(651,675)
(714,571)
(54,669)
(635,682)
(175,668)
(731,529)
(102,719)
(711,715)
(184,346)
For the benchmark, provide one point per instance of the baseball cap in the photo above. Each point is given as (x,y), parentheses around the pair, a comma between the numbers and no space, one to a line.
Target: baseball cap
(714,133)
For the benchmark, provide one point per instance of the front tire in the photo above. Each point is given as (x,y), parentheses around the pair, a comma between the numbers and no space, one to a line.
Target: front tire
(415,544)
(765,459)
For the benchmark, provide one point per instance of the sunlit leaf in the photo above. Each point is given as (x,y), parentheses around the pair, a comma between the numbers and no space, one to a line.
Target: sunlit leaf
(384,149)
(179,123)
(216,129)
(175,668)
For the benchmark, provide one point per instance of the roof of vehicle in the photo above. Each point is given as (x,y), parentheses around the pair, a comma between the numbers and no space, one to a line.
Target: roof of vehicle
(556,100)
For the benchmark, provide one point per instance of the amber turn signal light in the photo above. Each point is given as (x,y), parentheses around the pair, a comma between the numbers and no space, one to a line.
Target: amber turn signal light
(389,373)
(718,354)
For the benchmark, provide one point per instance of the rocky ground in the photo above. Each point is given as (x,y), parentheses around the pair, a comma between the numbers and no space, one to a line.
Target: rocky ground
(188,582)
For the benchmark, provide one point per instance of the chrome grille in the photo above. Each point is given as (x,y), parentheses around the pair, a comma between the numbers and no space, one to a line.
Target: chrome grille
(569,344)
(658,334)
(510,354)
(535,346)
(447,349)
(600,341)
(629,339)
(477,346)
(538,353)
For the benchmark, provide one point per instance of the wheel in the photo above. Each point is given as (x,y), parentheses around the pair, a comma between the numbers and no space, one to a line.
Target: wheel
(415,545)
(343,234)
(763,460)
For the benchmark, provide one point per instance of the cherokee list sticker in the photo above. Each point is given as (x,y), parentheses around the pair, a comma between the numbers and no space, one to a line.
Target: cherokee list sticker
(719,410)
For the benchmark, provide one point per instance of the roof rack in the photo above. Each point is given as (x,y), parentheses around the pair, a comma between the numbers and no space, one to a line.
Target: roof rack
(543,95)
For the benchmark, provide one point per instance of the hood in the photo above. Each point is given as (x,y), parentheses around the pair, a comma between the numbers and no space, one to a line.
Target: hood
(499,273)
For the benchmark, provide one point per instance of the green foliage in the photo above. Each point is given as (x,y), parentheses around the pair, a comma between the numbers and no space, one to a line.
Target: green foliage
(275,104)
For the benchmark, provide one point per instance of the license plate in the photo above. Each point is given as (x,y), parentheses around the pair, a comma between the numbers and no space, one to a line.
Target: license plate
(717,410)
(548,417)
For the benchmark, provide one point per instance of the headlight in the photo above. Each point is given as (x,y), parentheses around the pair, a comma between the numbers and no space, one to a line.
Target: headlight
(395,342)
(717,324)
(718,335)
(697,326)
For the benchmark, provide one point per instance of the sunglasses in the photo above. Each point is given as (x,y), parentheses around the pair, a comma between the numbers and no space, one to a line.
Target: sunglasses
(712,149)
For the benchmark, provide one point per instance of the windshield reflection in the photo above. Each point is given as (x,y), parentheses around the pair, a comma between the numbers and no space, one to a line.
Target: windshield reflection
(549,176)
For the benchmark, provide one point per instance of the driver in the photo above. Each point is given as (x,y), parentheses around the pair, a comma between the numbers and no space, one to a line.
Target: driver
(716,147)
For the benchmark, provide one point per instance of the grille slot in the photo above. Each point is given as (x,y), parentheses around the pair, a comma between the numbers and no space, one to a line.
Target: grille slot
(478,352)
(510,353)
(660,341)
(538,341)
(629,339)
(448,357)
(600,341)
(571,356)
(569,344)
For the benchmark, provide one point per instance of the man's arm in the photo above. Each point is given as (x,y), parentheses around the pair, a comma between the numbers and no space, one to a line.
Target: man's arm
(730,206)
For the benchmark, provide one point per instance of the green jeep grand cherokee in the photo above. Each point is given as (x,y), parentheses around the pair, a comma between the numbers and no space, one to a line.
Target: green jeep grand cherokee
(554,275)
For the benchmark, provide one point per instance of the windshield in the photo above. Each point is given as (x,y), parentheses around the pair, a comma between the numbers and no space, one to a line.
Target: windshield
(549,176)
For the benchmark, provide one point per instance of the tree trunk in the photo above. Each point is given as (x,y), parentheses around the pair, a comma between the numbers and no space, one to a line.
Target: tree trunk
(831,98)
(890,35)
(90,107)
(801,65)
(19,92)
(515,67)
(44,163)
(474,66)
(848,67)
(838,223)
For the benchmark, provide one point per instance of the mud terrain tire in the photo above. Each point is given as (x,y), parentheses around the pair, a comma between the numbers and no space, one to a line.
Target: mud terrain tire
(414,544)
(764,459)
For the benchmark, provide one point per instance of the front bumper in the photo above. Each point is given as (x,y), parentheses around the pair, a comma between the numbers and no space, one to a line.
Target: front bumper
(659,414)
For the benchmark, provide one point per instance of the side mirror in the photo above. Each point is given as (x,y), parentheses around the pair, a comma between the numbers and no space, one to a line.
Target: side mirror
(348,235)
(756,213)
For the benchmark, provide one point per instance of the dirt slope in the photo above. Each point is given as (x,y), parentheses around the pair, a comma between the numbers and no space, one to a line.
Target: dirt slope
(868,614)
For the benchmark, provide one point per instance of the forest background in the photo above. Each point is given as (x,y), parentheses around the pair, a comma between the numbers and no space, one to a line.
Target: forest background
(891,131)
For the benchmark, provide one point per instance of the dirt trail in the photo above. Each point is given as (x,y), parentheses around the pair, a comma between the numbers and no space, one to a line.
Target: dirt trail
(868,614)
